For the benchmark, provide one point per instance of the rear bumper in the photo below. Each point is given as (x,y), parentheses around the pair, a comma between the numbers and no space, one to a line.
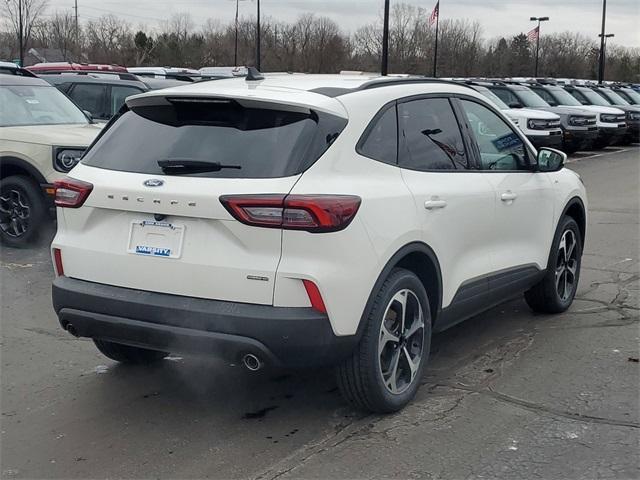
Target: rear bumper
(292,337)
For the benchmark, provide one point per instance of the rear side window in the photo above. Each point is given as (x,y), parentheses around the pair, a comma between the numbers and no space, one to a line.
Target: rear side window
(430,137)
(380,142)
(263,143)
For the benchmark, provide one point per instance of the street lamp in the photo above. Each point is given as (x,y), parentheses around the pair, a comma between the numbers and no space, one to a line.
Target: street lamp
(603,53)
(235,48)
(538,19)
(385,40)
(258,37)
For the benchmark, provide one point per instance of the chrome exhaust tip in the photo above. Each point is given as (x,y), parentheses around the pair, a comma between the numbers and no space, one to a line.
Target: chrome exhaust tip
(251,362)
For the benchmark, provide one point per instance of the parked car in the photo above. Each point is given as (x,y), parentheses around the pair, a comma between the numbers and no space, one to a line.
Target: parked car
(541,128)
(64,66)
(10,68)
(612,126)
(575,137)
(628,93)
(42,136)
(311,220)
(178,73)
(102,95)
(632,112)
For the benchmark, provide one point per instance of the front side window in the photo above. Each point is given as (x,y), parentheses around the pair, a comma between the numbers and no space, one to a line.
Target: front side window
(430,137)
(91,97)
(119,94)
(500,146)
(381,140)
(36,105)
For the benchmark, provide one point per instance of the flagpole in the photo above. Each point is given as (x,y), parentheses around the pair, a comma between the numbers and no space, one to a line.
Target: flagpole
(435,50)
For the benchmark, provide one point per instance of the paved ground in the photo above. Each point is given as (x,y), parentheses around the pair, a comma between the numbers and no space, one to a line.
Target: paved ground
(508,394)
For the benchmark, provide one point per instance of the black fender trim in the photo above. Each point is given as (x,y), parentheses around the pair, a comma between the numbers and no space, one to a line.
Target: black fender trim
(15,162)
(413,247)
(576,201)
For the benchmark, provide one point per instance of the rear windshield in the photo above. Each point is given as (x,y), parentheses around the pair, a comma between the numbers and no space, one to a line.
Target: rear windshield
(263,143)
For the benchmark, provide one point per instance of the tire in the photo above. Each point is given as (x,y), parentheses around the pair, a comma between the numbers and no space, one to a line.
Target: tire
(127,354)
(555,294)
(360,377)
(22,211)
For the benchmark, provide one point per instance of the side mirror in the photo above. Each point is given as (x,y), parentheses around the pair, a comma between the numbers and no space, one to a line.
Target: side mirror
(87,114)
(550,159)
(515,105)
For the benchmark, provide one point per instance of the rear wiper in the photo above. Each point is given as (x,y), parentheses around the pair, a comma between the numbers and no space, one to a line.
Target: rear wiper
(183,167)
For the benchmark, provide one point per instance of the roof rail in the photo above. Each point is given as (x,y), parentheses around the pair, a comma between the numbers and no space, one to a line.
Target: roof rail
(387,81)
(121,75)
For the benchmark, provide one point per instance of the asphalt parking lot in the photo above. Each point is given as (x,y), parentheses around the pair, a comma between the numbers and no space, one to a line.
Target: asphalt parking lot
(507,394)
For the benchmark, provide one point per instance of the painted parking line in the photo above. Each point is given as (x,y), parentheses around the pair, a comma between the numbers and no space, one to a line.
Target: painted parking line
(606,151)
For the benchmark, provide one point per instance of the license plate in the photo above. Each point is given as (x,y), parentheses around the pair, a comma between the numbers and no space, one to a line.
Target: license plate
(156,239)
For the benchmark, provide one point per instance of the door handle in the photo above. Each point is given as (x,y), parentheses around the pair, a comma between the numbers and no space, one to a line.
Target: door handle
(508,196)
(435,204)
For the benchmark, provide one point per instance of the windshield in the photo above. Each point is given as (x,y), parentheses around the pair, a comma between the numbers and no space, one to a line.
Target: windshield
(530,99)
(594,98)
(631,95)
(259,143)
(37,105)
(564,98)
(613,97)
(493,97)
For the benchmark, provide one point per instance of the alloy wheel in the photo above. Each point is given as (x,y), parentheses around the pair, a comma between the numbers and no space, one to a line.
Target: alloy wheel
(566,266)
(15,212)
(401,341)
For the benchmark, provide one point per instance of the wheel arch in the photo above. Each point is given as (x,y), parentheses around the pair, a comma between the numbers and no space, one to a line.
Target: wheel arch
(420,259)
(15,166)
(575,209)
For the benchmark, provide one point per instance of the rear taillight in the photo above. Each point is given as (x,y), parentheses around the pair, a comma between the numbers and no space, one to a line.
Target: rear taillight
(57,262)
(71,193)
(313,213)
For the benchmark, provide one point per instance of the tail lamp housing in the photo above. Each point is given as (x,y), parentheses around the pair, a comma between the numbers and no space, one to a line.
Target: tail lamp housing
(311,213)
(71,193)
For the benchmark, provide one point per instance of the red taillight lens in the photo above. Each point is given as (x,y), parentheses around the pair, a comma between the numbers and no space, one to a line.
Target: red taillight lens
(314,296)
(313,213)
(71,193)
(57,262)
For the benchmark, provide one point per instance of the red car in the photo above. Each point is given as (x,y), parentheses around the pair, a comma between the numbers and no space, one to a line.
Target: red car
(62,66)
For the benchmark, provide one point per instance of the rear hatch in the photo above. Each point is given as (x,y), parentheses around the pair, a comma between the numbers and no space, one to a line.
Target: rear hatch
(154,221)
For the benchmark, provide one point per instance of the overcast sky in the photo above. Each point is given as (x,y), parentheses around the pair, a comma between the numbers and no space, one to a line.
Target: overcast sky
(497,17)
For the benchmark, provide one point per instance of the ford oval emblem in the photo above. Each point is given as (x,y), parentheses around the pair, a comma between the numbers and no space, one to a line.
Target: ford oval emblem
(153,182)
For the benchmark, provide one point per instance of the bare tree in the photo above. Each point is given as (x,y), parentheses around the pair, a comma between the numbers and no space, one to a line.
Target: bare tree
(23,15)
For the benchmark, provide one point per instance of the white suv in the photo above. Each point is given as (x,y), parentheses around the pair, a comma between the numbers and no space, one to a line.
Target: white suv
(301,220)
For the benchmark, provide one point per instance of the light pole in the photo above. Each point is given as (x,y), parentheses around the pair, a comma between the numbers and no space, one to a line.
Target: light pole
(538,19)
(258,38)
(384,68)
(602,42)
(603,54)
(20,34)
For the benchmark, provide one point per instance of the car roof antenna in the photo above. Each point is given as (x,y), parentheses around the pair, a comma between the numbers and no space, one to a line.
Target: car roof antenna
(253,74)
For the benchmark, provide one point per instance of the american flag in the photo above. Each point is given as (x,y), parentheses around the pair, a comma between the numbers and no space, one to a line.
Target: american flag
(532,36)
(434,15)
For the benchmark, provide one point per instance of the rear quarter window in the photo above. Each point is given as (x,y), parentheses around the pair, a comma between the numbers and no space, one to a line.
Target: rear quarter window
(263,143)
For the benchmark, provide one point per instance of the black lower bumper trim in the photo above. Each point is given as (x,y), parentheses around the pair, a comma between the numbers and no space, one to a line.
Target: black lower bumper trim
(293,337)
(552,141)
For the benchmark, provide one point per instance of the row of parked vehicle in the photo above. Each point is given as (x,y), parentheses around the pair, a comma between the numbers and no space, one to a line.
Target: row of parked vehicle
(568,115)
